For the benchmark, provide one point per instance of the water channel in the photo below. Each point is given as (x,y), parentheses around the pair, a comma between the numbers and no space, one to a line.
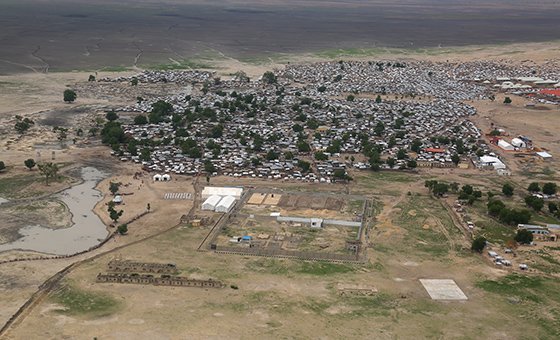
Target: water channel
(87,229)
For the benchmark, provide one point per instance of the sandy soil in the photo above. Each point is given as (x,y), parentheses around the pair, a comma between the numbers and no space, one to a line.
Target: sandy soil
(287,304)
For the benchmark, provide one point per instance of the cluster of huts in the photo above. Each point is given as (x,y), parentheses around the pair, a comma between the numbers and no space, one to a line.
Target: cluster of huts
(255,129)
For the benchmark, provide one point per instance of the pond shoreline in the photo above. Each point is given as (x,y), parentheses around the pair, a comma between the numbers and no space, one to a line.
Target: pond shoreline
(87,230)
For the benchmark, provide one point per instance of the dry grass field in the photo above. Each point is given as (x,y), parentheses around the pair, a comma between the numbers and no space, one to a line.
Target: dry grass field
(412,236)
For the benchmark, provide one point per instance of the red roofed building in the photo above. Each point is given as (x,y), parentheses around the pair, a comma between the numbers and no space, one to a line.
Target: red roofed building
(551,92)
(434,150)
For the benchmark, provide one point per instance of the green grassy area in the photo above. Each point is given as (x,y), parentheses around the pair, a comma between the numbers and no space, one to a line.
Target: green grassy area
(183,64)
(284,267)
(79,302)
(420,216)
(536,301)
(12,187)
(381,182)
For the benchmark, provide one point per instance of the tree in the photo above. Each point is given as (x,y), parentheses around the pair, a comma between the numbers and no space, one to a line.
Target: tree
(439,189)
(69,96)
(114,187)
(122,229)
(552,207)
(62,134)
(2,166)
(549,188)
(350,98)
(507,189)
(269,77)
(416,145)
(534,202)
(91,77)
(303,146)
(305,166)
(160,109)
(523,236)
(507,100)
(401,154)
(114,214)
(478,244)
(391,162)
(111,116)
(209,167)
(341,174)
(297,128)
(30,163)
(49,170)
(534,187)
(140,120)
(23,124)
(379,128)
(321,156)
(455,158)
(411,163)
(134,81)
(378,99)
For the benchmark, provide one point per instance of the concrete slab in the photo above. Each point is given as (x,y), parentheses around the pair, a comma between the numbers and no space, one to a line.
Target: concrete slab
(256,199)
(445,289)
(272,199)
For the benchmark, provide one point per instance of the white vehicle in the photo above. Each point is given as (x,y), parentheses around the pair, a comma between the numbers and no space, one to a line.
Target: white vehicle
(523,266)
(492,253)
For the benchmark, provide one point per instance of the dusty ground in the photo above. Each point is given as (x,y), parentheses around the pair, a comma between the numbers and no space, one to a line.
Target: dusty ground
(413,238)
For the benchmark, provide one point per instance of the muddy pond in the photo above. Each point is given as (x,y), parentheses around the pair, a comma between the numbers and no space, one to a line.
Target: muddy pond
(87,229)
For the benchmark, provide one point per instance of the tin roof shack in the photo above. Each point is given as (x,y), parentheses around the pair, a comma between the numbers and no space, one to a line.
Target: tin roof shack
(540,233)
(225,204)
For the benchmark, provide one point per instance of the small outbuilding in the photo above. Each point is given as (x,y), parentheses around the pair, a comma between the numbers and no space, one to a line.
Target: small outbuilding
(118,199)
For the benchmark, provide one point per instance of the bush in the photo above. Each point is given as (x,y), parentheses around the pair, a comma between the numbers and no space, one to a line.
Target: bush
(549,188)
(534,202)
(478,244)
(523,236)
(534,187)
(507,190)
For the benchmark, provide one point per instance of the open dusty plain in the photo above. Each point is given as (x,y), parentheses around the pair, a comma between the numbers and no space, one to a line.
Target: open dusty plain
(414,236)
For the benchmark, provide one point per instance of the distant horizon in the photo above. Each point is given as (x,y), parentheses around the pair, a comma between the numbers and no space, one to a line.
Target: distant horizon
(64,35)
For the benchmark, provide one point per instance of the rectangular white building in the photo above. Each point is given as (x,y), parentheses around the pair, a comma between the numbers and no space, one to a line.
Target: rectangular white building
(222,191)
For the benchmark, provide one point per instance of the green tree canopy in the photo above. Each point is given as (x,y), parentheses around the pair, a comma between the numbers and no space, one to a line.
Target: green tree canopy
(30,163)
(69,96)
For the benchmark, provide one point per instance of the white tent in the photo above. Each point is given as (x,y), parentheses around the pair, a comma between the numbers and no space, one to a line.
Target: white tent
(166,177)
(157,177)
(211,203)
(518,143)
(493,161)
(118,199)
(225,204)
(505,145)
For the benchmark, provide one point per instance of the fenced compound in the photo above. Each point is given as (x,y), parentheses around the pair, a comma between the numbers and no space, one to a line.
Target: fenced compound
(290,254)
(177,196)
(164,280)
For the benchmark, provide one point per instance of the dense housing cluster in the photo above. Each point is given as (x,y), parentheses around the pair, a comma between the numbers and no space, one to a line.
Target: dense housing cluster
(310,122)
